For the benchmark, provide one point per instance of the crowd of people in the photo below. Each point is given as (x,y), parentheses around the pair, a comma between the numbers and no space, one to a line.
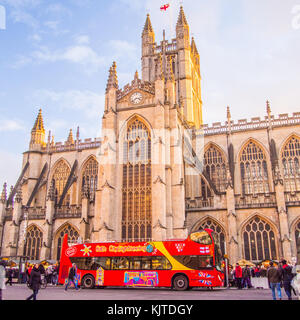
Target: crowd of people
(277,276)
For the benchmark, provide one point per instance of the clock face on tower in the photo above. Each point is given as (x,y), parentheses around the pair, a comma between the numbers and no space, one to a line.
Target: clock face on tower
(136,97)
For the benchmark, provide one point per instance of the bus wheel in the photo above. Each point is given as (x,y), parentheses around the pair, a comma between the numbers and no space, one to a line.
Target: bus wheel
(180,283)
(88,282)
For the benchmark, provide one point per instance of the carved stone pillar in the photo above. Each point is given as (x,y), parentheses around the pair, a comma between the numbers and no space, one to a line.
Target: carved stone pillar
(48,225)
(233,250)
(84,223)
(285,237)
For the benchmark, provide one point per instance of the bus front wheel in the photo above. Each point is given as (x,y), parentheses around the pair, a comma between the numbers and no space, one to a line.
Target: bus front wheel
(88,282)
(180,283)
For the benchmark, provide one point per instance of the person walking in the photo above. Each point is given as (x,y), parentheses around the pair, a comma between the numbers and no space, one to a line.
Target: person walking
(71,277)
(274,276)
(287,278)
(9,276)
(35,281)
(238,276)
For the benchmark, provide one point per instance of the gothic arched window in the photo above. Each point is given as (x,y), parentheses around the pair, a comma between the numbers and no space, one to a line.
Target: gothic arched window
(73,236)
(215,167)
(254,171)
(136,190)
(219,231)
(34,238)
(59,178)
(290,161)
(90,177)
(259,240)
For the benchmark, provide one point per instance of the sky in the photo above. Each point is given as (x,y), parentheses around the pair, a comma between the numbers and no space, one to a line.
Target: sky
(55,55)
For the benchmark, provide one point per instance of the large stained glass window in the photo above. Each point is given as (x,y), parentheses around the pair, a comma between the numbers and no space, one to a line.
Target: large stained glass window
(215,168)
(136,190)
(33,244)
(259,241)
(254,172)
(90,178)
(290,161)
(59,179)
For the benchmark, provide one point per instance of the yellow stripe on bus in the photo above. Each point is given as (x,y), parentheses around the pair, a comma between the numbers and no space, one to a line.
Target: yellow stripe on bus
(176,265)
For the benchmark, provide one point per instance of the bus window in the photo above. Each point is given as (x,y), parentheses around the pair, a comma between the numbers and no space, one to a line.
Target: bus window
(119,263)
(201,237)
(196,262)
(91,263)
(160,263)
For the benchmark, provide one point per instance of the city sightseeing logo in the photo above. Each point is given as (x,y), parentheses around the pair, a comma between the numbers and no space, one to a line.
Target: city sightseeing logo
(2,18)
(86,250)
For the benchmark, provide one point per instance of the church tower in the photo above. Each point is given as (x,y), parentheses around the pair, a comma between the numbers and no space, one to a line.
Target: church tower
(183,57)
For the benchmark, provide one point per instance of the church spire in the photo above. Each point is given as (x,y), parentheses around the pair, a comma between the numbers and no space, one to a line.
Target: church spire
(38,131)
(181,21)
(39,123)
(112,78)
(4,194)
(194,47)
(182,31)
(70,140)
(148,26)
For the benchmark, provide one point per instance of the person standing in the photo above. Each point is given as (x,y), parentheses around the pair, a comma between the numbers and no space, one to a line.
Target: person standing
(71,277)
(9,276)
(287,278)
(247,277)
(238,276)
(274,278)
(35,281)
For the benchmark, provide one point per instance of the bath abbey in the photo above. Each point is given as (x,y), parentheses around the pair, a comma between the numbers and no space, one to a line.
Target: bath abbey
(157,172)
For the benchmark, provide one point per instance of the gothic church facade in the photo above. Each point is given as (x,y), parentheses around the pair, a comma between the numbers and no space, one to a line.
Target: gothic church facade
(157,172)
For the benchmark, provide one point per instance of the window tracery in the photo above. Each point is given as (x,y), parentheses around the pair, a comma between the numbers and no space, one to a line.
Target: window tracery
(59,180)
(33,245)
(290,161)
(254,171)
(259,240)
(136,190)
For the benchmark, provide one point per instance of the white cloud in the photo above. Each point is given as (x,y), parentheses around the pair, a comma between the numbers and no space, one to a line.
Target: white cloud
(10,125)
(91,103)
(80,54)
(124,49)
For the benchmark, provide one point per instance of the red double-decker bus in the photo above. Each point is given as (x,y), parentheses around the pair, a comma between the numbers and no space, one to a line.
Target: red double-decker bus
(180,264)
